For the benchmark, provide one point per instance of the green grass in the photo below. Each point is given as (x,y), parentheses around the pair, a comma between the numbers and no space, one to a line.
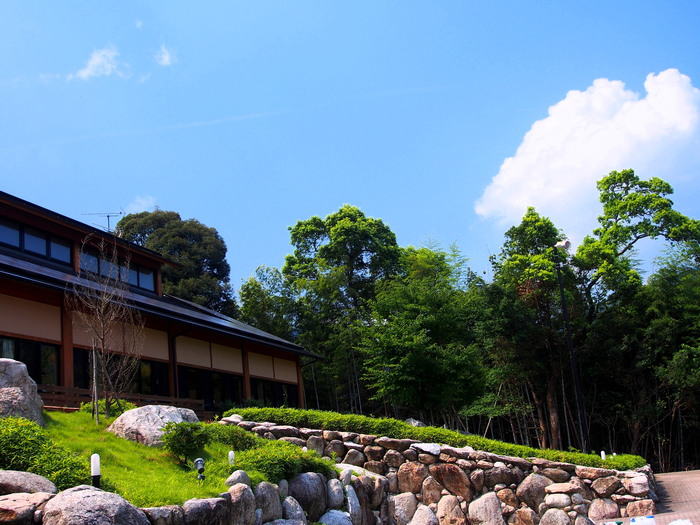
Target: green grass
(146,476)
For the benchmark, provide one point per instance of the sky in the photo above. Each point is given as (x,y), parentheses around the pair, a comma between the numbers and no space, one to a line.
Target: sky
(445,119)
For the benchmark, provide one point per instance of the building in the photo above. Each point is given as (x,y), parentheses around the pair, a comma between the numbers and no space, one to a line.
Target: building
(189,352)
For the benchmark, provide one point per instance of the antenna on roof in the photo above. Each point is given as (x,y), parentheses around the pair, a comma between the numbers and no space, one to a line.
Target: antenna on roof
(109,215)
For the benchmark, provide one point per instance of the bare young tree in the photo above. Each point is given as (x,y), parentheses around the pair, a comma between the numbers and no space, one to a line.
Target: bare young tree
(99,303)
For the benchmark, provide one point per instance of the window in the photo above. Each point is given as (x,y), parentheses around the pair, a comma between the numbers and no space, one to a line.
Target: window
(60,250)
(146,280)
(34,241)
(136,275)
(9,233)
(213,387)
(41,358)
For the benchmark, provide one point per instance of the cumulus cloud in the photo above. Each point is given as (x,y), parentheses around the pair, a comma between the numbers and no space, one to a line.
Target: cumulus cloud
(588,134)
(141,203)
(164,56)
(102,63)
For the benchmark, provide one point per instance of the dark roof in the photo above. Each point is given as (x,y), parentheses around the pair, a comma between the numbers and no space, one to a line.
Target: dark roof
(167,307)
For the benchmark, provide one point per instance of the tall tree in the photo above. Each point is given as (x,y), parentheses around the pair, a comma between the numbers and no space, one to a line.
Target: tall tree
(202,274)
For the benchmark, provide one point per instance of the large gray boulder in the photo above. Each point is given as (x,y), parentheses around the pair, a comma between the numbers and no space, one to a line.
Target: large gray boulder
(145,424)
(242,504)
(18,394)
(90,506)
(486,510)
(20,508)
(12,481)
(309,489)
(267,498)
(335,517)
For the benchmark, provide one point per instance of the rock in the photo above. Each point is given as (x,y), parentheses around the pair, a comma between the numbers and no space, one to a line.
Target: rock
(431,490)
(606,487)
(378,467)
(233,419)
(424,516)
(281,431)
(145,424)
(354,457)
(309,489)
(583,520)
(564,488)
(508,497)
(335,517)
(453,479)
(165,515)
(525,516)
(366,439)
(354,508)
(12,481)
(555,517)
(238,476)
(449,511)
(212,511)
(335,449)
(258,517)
(405,505)
(316,443)
(557,501)
(283,488)
(18,394)
(19,508)
(477,479)
(486,510)
(267,498)
(427,448)
(291,510)
(332,435)
(558,475)
(602,509)
(336,496)
(593,473)
(427,459)
(644,507)
(349,436)
(410,454)
(286,522)
(85,504)
(637,486)
(414,422)
(394,444)
(459,453)
(394,458)
(242,504)
(294,441)
(411,476)
(532,490)
(498,475)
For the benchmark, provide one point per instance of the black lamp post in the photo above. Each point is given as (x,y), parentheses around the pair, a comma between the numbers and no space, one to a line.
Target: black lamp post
(578,396)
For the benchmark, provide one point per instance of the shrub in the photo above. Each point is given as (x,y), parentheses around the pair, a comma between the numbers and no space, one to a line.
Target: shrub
(184,440)
(27,447)
(116,409)
(231,436)
(281,460)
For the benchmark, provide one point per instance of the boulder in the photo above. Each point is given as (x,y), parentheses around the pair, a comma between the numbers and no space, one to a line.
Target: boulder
(19,508)
(242,504)
(145,424)
(309,489)
(414,422)
(453,479)
(212,511)
(486,510)
(427,448)
(165,515)
(411,476)
(644,507)
(336,496)
(12,481)
(593,472)
(405,505)
(449,512)
(558,475)
(335,517)
(267,498)
(424,516)
(555,517)
(606,487)
(532,490)
(291,510)
(238,476)
(354,508)
(85,504)
(525,516)
(18,394)
(431,490)
(637,486)
(354,457)
(603,509)
(316,443)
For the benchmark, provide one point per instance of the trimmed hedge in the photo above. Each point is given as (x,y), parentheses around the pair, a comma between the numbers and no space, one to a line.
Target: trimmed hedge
(398,429)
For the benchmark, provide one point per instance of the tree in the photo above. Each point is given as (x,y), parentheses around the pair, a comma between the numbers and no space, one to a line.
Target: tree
(202,273)
(98,302)
(268,303)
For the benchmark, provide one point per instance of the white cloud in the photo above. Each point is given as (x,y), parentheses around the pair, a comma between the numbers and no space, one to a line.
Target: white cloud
(587,135)
(164,56)
(141,203)
(102,63)
(138,24)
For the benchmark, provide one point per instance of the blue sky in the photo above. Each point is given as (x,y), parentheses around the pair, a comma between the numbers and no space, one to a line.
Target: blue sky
(444,119)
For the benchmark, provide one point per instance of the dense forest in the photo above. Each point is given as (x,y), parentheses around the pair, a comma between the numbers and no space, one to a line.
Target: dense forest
(556,350)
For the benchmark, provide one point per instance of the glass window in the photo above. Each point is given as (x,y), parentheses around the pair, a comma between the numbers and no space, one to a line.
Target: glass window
(35,241)
(89,262)
(108,269)
(9,232)
(133,277)
(146,279)
(60,249)
(41,359)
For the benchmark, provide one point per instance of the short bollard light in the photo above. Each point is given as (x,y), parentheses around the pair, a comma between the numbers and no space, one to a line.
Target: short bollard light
(199,467)
(95,470)
(231,457)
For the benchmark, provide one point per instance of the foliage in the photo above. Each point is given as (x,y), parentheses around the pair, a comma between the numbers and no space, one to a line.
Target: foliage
(120,406)
(278,460)
(201,273)
(232,436)
(28,447)
(185,440)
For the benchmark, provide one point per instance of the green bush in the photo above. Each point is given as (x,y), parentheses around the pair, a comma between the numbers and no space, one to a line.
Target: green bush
(27,447)
(116,409)
(278,460)
(184,440)
(398,429)
(232,436)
